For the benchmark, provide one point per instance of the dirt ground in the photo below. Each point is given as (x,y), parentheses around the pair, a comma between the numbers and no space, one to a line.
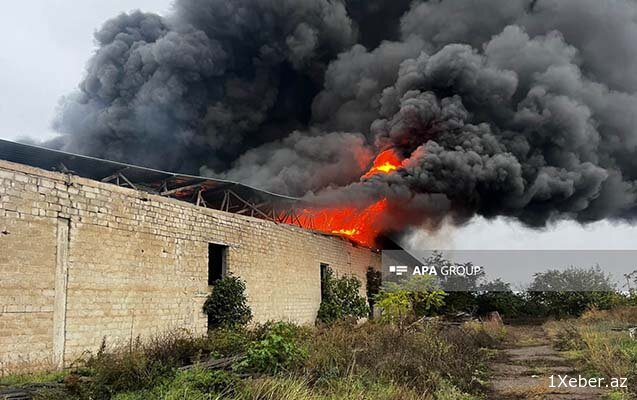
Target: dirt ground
(522,370)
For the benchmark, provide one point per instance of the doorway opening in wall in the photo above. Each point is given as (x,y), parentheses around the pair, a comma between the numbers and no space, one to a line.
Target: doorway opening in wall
(324,268)
(216,262)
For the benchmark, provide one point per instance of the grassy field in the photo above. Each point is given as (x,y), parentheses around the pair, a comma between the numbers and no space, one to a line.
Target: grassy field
(600,342)
(406,354)
(283,361)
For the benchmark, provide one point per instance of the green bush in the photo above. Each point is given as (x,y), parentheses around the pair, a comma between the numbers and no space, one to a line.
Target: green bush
(209,381)
(227,305)
(226,342)
(508,304)
(412,298)
(139,366)
(144,367)
(396,306)
(277,350)
(341,299)
(572,291)
(498,296)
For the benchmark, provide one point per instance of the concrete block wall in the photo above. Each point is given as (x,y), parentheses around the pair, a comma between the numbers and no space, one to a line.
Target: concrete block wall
(82,260)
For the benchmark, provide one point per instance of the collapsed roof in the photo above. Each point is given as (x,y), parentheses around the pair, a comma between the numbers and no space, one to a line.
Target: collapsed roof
(203,191)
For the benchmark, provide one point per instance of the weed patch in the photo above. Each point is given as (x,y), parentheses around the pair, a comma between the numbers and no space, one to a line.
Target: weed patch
(600,341)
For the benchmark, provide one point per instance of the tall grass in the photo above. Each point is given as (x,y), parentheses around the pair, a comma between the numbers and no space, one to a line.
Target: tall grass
(343,361)
(424,359)
(601,341)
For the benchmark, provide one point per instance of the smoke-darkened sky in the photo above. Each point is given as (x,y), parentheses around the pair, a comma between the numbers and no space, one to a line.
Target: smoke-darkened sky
(500,108)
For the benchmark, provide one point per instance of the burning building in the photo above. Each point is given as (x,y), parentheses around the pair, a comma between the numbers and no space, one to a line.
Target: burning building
(513,108)
(363,116)
(91,249)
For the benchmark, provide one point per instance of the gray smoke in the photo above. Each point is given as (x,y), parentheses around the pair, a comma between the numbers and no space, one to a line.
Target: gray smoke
(303,160)
(204,84)
(522,108)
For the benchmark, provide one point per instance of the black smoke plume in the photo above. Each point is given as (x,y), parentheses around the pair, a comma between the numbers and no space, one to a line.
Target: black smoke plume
(521,108)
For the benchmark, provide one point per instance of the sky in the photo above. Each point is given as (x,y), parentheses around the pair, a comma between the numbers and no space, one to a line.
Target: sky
(503,234)
(46,43)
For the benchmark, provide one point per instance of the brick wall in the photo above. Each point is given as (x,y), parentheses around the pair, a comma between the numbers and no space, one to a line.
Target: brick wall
(81,260)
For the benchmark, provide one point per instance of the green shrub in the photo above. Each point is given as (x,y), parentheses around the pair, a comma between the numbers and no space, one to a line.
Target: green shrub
(341,299)
(227,305)
(118,370)
(210,381)
(396,306)
(410,298)
(427,303)
(498,296)
(145,364)
(277,350)
(226,342)
(572,291)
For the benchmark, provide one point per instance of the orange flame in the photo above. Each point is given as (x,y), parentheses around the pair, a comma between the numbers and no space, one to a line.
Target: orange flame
(360,225)
(386,162)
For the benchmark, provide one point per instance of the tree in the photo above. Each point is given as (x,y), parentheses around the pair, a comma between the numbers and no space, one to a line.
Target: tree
(460,290)
(497,296)
(572,291)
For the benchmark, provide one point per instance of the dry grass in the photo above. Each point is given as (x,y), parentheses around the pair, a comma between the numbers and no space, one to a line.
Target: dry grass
(492,331)
(600,341)
(300,389)
(605,351)
(539,391)
(423,359)
(619,315)
(344,361)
